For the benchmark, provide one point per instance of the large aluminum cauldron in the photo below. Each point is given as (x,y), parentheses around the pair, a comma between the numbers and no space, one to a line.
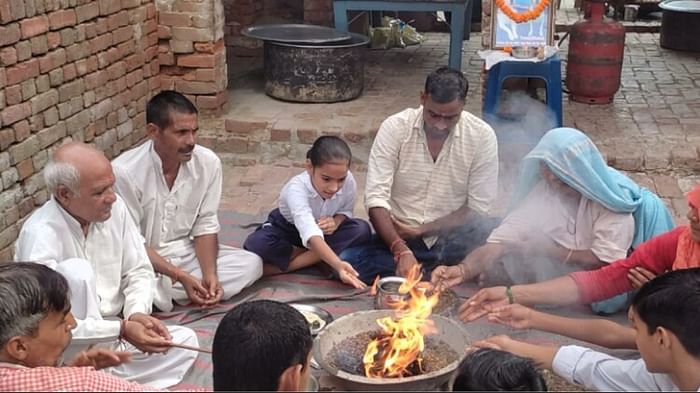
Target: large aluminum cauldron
(359,322)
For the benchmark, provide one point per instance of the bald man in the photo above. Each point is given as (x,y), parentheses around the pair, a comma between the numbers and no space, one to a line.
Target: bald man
(85,233)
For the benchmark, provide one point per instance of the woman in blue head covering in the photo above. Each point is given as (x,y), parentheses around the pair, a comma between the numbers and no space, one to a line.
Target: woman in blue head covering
(569,211)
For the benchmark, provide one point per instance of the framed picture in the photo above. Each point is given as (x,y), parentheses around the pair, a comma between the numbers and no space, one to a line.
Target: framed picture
(536,32)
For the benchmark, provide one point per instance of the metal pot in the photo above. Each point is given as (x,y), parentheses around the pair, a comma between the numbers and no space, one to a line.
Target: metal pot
(328,72)
(680,25)
(388,292)
(359,322)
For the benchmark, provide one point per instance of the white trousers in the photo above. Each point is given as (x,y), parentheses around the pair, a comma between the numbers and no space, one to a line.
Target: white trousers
(159,370)
(236,269)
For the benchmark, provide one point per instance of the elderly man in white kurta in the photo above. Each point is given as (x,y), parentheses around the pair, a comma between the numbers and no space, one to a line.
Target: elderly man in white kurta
(85,232)
(172,187)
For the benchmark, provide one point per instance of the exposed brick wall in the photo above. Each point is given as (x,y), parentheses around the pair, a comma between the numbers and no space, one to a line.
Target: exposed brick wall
(79,69)
(191,50)
(318,12)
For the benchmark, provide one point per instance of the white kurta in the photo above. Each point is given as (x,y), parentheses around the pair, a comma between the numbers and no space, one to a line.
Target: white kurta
(301,205)
(169,218)
(605,373)
(592,227)
(109,273)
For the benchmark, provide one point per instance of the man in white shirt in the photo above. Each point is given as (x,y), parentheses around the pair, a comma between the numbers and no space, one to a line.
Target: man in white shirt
(431,180)
(664,315)
(172,188)
(85,233)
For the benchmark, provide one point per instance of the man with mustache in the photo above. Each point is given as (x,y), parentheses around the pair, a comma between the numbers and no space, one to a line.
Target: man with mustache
(172,187)
(431,179)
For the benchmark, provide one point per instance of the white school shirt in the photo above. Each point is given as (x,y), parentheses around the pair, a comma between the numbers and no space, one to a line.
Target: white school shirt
(607,234)
(301,205)
(169,218)
(602,372)
(124,276)
(403,178)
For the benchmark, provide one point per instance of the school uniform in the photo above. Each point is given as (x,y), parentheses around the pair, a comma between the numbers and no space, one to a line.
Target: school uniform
(295,221)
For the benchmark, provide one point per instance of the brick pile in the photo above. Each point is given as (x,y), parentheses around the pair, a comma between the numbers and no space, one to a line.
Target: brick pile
(191,50)
(79,69)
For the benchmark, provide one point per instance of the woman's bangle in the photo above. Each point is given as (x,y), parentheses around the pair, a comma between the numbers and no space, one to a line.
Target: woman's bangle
(509,293)
(397,257)
(463,271)
(568,256)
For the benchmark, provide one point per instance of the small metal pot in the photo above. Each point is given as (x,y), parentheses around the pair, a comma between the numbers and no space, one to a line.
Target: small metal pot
(388,293)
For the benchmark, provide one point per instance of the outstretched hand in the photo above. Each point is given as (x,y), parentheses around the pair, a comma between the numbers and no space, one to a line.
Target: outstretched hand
(482,303)
(349,275)
(99,358)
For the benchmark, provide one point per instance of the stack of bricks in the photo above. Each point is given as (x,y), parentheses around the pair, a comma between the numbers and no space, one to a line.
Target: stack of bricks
(80,70)
(191,50)
(240,14)
(318,12)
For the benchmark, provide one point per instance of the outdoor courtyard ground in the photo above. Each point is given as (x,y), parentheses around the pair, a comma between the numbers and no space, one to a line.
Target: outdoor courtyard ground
(651,131)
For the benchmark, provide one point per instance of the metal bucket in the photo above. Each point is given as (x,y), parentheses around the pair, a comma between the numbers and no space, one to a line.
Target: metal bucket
(680,25)
(329,72)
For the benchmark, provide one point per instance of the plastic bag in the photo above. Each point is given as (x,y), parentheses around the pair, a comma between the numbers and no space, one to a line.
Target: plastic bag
(394,33)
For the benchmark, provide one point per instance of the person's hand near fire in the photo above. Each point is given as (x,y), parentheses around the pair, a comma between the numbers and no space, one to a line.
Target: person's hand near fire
(405,260)
(475,265)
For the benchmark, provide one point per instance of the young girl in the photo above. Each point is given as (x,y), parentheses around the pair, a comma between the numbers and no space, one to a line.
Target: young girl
(313,221)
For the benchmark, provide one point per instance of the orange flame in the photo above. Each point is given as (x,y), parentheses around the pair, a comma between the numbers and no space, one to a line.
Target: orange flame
(397,352)
(373,289)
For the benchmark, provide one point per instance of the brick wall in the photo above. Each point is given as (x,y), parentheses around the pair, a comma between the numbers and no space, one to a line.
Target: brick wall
(191,50)
(78,70)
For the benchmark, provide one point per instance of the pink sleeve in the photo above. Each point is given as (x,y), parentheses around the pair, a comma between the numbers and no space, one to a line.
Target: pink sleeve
(656,255)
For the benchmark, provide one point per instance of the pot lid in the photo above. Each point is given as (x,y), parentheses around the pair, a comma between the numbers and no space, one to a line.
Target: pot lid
(690,6)
(296,33)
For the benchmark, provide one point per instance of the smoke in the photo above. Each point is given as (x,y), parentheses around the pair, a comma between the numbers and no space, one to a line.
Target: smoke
(519,125)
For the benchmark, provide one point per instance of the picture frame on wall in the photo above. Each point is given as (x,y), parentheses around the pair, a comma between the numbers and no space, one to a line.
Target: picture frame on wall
(534,33)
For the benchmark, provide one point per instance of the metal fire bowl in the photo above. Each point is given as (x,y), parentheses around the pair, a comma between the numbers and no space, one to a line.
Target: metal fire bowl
(359,322)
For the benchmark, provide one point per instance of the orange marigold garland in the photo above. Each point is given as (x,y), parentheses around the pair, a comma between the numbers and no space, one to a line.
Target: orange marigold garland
(521,17)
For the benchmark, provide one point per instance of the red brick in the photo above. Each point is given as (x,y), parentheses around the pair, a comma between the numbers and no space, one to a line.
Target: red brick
(205,74)
(69,72)
(244,127)
(87,11)
(10,34)
(8,56)
(62,18)
(280,135)
(52,60)
(53,39)
(166,58)
(7,137)
(109,6)
(122,34)
(126,48)
(13,95)
(212,102)
(22,71)
(174,19)
(197,61)
(25,168)
(307,136)
(116,70)
(118,20)
(100,43)
(164,32)
(34,26)
(15,113)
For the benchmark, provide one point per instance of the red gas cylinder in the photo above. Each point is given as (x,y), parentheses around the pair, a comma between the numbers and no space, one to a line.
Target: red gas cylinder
(594,66)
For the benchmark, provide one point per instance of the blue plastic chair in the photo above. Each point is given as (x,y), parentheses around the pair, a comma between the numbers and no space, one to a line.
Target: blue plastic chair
(548,70)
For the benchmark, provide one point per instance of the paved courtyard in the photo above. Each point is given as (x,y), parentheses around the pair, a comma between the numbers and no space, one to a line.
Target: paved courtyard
(651,130)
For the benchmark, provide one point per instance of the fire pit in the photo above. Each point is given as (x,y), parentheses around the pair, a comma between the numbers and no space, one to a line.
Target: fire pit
(449,339)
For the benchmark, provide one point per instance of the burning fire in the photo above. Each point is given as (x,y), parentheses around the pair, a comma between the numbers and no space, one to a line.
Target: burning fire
(397,352)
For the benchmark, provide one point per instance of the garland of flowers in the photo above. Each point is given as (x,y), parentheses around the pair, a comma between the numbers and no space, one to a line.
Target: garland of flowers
(522,17)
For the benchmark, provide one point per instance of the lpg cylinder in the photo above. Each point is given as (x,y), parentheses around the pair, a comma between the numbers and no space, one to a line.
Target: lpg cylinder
(596,48)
